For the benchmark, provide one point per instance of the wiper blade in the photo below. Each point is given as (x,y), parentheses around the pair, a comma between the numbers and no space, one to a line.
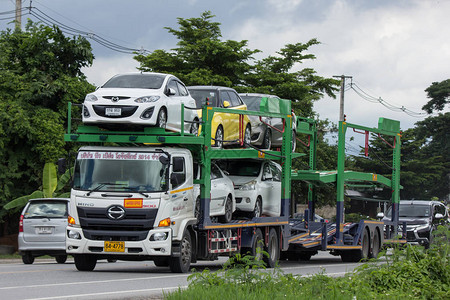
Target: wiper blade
(134,189)
(102,184)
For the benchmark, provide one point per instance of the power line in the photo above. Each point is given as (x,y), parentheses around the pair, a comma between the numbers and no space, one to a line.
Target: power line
(360,92)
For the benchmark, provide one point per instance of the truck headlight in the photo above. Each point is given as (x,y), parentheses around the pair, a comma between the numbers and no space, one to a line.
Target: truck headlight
(159,236)
(72,234)
(248,186)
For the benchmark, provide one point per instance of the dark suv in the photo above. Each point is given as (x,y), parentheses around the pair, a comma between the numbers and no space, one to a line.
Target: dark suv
(421,217)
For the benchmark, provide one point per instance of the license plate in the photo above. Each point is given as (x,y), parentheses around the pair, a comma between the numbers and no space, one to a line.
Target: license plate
(44,230)
(113,111)
(114,246)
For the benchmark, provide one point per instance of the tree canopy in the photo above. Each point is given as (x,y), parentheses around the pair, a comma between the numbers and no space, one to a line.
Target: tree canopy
(40,72)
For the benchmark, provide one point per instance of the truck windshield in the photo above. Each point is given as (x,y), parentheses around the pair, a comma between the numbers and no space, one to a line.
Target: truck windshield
(119,172)
(411,210)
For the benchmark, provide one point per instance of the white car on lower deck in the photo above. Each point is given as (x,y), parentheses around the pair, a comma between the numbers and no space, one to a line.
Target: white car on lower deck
(257,186)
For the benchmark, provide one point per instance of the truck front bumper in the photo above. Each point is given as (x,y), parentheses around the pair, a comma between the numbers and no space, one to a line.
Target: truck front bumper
(147,247)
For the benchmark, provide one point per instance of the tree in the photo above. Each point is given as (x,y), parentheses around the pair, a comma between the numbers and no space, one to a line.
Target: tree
(40,72)
(439,93)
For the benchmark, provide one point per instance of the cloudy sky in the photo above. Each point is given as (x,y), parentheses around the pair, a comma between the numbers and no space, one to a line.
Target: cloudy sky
(392,49)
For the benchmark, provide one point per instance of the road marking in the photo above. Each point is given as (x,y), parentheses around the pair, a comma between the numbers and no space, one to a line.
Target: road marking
(90,282)
(110,293)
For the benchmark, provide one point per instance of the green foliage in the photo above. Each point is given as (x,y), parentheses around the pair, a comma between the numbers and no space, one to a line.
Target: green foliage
(414,273)
(40,72)
(439,93)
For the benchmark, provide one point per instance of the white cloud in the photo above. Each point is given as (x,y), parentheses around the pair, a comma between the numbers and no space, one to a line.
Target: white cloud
(104,68)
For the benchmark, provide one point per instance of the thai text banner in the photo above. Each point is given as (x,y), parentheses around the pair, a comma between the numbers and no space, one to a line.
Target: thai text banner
(111,155)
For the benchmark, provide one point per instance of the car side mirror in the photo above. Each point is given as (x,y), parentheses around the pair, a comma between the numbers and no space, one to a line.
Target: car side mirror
(438,216)
(380,215)
(226,104)
(170,92)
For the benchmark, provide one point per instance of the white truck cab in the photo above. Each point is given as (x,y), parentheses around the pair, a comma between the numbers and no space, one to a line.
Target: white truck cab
(129,202)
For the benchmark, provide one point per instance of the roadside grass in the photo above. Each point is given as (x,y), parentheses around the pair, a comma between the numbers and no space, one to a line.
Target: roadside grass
(411,273)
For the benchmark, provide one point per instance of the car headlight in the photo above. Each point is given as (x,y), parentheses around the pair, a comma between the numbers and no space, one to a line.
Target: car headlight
(147,99)
(248,186)
(90,98)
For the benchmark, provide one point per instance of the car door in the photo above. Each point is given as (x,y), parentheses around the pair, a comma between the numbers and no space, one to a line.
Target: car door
(189,104)
(219,191)
(45,221)
(174,106)
(275,196)
(229,125)
(265,187)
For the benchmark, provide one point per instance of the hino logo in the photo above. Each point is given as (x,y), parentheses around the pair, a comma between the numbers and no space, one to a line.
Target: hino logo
(115,212)
(114,99)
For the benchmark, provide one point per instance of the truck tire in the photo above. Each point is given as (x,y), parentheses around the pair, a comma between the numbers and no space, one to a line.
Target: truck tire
(376,244)
(60,259)
(182,263)
(273,249)
(161,261)
(85,262)
(358,255)
(27,258)
(257,246)
(226,218)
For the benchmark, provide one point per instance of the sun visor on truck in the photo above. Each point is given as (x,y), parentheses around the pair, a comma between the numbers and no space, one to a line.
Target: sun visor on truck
(275,105)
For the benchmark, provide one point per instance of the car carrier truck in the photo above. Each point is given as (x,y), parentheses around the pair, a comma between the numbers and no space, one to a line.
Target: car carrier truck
(133,199)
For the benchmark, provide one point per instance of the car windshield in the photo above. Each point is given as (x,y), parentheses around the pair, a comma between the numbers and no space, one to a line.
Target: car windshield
(252,102)
(120,172)
(136,81)
(201,95)
(412,210)
(46,209)
(242,168)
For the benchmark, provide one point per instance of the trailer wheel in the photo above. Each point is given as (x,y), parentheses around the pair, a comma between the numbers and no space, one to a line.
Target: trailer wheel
(376,244)
(257,246)
(161,261)
(85,262)
(273,249)
(358,255)
(226,218)
(182,263)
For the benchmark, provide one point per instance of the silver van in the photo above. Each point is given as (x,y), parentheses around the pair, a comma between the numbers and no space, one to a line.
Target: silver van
(42,229)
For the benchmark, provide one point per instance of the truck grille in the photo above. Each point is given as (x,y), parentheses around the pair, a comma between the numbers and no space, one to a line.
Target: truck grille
(133,227)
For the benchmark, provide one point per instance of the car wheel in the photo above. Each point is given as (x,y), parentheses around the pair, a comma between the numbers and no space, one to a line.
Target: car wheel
(257,211)
(182,263)
(267,140)
(247,137)
(85,262)
(272,249)
(162,118)
(294,141)
(226,218)
(27,258)
(219,137)
(194,128)
(60,259)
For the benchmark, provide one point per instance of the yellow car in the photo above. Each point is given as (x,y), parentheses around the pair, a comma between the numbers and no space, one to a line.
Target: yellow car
(225,126)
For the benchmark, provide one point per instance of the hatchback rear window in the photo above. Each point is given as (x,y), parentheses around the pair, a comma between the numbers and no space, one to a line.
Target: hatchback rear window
(45,209)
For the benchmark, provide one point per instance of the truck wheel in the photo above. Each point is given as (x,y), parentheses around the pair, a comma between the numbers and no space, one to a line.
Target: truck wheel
(273,249)
(226,218)
(161,261)
(267,140)
(60,259)
(85,262)
(376,245)
(257,246)
(27,258)
(182,263)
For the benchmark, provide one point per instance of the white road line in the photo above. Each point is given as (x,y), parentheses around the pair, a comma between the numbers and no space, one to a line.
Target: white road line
(110,293)
(90,282)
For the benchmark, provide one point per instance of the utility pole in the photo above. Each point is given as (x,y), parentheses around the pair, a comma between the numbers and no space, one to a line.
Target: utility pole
(18,14)
(341,103)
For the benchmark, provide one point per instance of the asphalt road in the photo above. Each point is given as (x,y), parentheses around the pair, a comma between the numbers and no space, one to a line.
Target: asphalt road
(45,279)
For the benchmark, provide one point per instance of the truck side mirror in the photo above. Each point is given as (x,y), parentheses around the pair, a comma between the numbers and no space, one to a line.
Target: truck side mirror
(62,166)
(380,215)
(164,160)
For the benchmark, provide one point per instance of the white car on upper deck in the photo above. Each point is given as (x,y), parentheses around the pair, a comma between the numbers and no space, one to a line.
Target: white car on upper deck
(142,99)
